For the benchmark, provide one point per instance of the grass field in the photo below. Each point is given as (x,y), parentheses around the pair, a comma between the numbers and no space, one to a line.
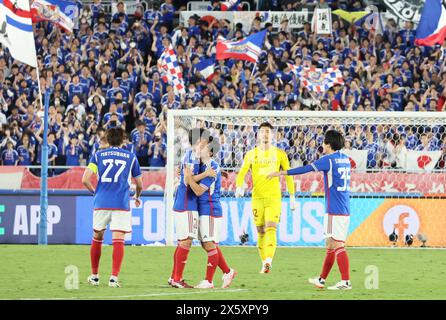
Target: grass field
(36,272)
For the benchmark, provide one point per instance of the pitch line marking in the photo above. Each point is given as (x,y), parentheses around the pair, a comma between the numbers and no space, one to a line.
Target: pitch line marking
(142,295)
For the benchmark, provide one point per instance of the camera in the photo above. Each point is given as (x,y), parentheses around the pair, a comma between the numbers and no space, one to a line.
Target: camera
(113,123)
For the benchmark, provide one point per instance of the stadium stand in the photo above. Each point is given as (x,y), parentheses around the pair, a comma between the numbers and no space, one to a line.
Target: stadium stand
(105,74)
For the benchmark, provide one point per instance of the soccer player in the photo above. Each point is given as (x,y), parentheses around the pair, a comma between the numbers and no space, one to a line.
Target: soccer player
(186,207)
(210,215)
(336,168)
(266,195)
(114,166)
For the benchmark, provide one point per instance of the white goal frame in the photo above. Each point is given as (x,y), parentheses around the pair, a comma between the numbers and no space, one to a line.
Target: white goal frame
(324,117)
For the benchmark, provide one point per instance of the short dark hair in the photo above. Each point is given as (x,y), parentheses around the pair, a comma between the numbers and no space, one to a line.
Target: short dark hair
(266,125)
(213,146)
(198,133)
(115,136)
(139,123)
(335,139)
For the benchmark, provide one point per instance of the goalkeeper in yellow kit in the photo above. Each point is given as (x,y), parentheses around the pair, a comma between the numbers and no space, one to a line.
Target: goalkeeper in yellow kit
(266,194)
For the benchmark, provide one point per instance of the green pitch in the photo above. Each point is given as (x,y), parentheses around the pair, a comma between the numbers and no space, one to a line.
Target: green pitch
(33,272)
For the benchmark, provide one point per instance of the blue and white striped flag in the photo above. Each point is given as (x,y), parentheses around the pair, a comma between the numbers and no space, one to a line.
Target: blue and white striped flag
(206,68)
(16,30)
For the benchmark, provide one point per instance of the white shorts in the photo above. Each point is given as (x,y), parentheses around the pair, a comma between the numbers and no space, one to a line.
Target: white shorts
(336,227)
(186,224)
(209,229)
(118,220)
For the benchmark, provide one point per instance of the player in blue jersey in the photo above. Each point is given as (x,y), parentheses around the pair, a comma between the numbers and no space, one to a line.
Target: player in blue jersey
(210,214)
(114,168)
(336,168)
(186,206)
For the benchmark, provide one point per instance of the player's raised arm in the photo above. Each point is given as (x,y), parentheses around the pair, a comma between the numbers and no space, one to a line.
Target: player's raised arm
(319,165)
(240,180)
(292,172)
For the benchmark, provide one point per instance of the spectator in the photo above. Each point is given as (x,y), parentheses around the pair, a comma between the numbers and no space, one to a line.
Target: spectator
(25,151)
(52,149)
(9,157)
(141,138)
(73,152)
(157,151)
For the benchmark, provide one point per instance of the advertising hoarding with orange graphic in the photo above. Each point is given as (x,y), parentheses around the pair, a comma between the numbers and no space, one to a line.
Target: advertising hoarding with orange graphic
(403,216)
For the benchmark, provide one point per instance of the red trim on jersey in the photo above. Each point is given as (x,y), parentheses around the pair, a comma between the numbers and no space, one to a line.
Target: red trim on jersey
(99,230)
(110,209)
(337,240)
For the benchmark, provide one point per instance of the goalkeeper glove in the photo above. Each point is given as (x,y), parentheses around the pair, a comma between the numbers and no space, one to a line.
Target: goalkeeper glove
(239,192)
(293,204)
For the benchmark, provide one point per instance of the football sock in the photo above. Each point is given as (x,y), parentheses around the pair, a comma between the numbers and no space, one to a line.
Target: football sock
(180,262)
(222,262)
(330,258)
(261,245)
(212,264)
(270,242)
(173,269)
(343,263)
(95,255)
(117,256)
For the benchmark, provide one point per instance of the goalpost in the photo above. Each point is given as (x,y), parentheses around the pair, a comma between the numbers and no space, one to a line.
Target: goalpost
(397,187)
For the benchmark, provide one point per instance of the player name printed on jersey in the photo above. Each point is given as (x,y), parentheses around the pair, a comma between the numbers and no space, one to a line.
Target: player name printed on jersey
(116,154)
(342,161)
(115,167)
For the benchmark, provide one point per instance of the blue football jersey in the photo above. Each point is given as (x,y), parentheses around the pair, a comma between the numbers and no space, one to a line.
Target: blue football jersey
(185,198)
(209,202)
(114,167)
(336,168)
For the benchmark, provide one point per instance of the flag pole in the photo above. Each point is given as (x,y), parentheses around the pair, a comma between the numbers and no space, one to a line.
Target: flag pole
(250,77)
(43,232)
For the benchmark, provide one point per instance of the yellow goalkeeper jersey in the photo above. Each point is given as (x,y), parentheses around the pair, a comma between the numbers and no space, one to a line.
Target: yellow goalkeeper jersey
(262,163)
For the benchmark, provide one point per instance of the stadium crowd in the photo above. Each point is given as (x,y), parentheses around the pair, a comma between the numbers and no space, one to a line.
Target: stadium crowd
(105,74)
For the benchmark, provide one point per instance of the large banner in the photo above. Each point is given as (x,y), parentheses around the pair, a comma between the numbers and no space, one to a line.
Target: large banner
(372,221)
(322,21)
(422,161)
(378,182)
(296,19)
(358,159)
(406,10)
(20,217)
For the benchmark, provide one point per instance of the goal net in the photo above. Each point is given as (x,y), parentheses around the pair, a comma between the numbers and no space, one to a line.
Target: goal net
(398,176)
